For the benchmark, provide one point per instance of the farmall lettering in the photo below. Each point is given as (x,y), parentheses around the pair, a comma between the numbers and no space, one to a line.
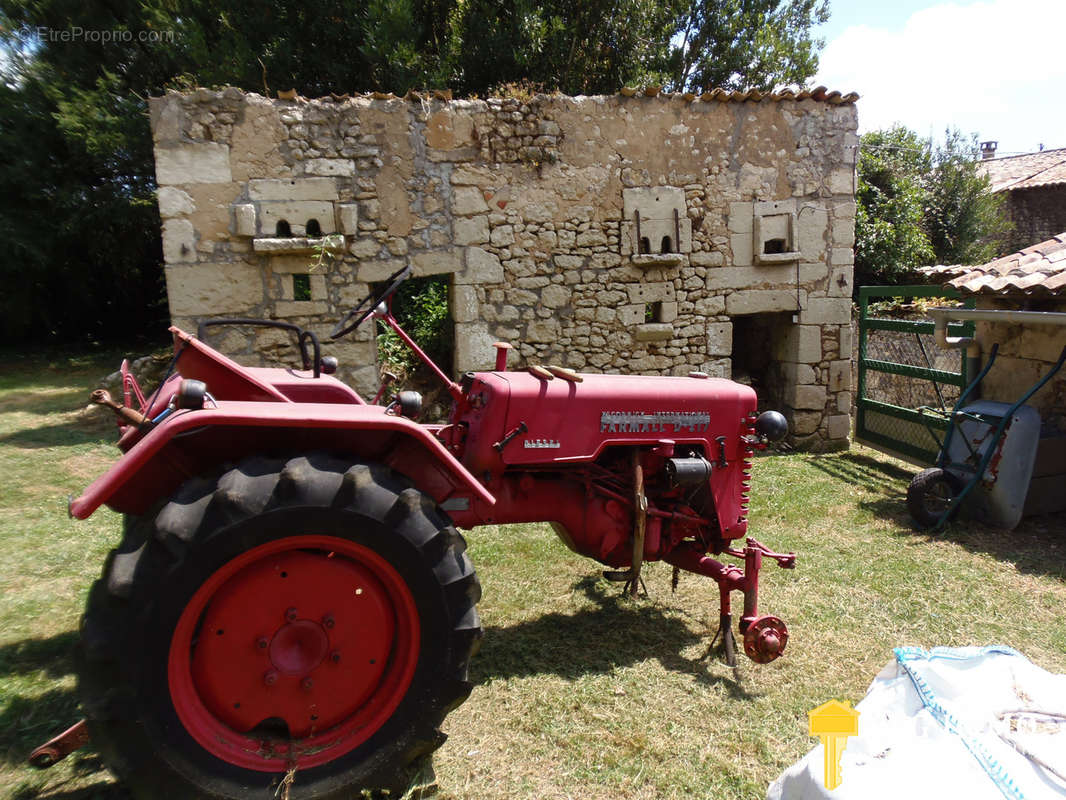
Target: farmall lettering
(654,422)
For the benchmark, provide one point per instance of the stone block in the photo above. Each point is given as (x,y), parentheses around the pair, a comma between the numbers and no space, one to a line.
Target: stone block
(840,281)
(741,245)
(297,213)
(244,219)
(801,344)
(844,402)
(194,162)
(660,291)
(811,226)
(718,368)
(365,248)
(542,330)
(630,315)
(804,423)
(826,311)
(468,200)
(710,306)
(173,202)
(844,232)
(762,301)
(473,347)
(741,218)
(845,342)
(436,262)
(838,426)
(667,312)
(720,339)
(348,216)
(299,308)
(465,306)
(765,276)
(502,235)
(842,181)
(340,167)
(809,397)
(712,258)
(840,376)
(473,176)
(841,256)
(653,332)
(481,267)
(374,271)
(202,290)
(179,241)
(292,189)
(798,374)
(470,230)
(555,296)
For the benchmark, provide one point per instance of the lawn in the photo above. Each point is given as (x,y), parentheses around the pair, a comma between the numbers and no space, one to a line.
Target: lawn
(579,693)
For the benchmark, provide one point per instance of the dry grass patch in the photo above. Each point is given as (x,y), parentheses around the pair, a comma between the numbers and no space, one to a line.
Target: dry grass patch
(579,692)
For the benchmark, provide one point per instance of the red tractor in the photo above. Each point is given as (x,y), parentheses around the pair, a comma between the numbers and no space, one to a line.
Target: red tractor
(292,600)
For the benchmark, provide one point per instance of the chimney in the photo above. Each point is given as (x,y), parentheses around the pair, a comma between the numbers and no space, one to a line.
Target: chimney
(988,150)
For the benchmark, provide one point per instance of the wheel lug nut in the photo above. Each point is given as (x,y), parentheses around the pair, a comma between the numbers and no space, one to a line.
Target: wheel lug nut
(270,678)
(327,620)
(261,643)
(335,656)
(290,615)
(307,683)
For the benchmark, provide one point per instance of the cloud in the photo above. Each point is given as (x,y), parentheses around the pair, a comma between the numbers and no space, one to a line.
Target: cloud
(995,68)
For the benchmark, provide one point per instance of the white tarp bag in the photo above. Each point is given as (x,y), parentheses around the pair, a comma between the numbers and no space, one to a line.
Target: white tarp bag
(981,723)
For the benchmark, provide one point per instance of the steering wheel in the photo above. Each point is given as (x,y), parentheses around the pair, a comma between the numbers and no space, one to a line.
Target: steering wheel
(369,303)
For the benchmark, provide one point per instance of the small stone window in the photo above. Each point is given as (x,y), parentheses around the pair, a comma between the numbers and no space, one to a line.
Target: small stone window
(774,233)
(313,228)
(282,230)
(645,245)
(301,286)
(666,246)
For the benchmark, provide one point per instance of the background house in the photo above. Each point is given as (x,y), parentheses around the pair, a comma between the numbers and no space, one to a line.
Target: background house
(1034,185)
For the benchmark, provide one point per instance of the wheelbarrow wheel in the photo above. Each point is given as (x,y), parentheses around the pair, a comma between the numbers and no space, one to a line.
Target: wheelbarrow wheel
(931,494)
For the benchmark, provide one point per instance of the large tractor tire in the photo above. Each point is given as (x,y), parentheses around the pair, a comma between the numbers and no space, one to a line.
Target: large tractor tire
(292,628)
(930,495)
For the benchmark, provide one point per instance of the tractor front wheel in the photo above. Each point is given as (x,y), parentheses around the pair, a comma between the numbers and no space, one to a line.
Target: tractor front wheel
(930,495)
(306,622)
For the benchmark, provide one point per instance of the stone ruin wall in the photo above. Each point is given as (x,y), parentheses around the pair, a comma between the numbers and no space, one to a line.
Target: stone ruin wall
(531,207)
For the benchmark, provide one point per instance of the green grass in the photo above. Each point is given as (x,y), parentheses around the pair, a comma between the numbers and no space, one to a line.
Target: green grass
(578,691)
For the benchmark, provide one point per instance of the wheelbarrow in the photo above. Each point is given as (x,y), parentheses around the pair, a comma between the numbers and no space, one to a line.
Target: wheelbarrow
(985,459)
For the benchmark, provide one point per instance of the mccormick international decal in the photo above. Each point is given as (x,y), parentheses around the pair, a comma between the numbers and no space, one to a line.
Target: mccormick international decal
(654,422)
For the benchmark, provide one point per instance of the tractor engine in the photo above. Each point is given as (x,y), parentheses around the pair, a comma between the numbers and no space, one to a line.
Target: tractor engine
(626,469)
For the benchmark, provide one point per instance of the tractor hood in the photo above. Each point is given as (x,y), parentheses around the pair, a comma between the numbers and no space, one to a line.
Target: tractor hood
(564,420)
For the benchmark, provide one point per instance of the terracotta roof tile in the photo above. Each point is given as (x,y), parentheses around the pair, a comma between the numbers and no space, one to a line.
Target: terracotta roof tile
(1039,270)
(1028,171)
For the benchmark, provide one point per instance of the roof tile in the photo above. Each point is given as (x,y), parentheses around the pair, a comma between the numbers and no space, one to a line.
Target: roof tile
(1036,270)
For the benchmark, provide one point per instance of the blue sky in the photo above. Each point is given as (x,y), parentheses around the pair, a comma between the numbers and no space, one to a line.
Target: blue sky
(991,67)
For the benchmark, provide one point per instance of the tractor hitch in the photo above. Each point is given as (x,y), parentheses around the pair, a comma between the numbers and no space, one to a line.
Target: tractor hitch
(765,637)
(58,748)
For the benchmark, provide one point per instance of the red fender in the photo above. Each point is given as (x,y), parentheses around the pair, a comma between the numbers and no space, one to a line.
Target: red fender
(190,443)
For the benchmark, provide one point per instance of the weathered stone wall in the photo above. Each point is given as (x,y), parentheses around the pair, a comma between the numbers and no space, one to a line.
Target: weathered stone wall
(1026,354)
(550,215)
(1037,215)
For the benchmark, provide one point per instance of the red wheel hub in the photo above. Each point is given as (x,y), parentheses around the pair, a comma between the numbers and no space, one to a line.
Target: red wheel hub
(293,653)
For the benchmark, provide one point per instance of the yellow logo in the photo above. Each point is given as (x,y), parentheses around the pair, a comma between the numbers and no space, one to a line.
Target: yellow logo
(833,722)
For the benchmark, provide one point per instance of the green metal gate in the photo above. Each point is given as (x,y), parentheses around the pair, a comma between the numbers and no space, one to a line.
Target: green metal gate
(901,370)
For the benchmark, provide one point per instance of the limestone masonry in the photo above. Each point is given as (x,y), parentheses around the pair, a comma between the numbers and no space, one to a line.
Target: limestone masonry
(638,234)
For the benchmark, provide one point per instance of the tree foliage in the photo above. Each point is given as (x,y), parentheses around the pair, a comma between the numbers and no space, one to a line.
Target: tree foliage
(80,247)
(920,204)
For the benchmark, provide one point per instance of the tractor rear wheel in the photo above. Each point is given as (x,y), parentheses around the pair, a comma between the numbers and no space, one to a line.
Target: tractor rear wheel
(306,622)
(930,494)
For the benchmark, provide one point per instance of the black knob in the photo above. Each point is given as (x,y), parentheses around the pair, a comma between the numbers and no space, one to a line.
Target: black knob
(328,365)
(772,426)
